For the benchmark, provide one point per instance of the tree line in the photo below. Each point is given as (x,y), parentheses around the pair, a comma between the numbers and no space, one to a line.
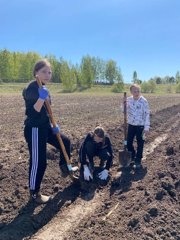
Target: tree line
(150,85)
(17,67)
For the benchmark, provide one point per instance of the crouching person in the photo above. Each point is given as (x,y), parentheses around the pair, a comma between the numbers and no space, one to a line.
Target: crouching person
(98,144)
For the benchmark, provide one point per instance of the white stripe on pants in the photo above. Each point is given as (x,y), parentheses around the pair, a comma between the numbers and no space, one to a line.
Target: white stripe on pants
(34,158)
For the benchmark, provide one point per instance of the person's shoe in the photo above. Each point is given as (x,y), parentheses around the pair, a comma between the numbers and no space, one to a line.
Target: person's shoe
(137,166)
(40,198)
(65,171)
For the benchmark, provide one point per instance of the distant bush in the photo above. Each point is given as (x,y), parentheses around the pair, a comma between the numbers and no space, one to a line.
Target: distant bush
(69,90)
(117,87)
(148,87)
(82,88)
(169,89)
(178,88)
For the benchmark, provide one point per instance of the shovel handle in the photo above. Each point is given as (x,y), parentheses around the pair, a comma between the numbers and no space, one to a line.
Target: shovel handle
(125,119)
(48,107)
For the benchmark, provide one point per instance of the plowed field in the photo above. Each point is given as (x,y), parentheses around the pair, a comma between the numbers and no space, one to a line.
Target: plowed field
(136,205)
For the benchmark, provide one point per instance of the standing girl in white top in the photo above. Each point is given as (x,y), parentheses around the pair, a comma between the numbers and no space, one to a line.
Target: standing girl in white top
(138,115)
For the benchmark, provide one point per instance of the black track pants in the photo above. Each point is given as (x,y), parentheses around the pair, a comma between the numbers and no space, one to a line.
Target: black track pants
(37,139)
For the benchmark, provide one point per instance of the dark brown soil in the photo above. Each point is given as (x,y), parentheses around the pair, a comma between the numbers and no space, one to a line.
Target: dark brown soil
(144,204)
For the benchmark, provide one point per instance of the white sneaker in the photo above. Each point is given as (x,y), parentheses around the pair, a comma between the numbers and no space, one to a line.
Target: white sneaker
(40,198)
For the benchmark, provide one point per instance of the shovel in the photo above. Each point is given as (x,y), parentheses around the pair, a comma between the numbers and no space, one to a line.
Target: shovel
(68,161)
(125,155)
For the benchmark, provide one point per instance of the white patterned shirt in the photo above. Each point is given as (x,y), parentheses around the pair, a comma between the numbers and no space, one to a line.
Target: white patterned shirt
(138,113)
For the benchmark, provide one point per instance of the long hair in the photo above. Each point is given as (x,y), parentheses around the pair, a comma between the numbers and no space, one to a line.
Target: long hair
(100,132)
(40,64)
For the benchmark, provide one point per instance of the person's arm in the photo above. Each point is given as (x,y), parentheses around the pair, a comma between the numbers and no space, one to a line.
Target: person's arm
(82,152)
(103,175)
(38,105)
(43,94)
(83,159)
(110,151)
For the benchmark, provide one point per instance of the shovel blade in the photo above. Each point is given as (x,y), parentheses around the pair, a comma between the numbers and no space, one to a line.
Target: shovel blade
(124,158)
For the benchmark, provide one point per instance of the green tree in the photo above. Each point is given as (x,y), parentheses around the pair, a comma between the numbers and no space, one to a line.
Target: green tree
(67,76)
(118,86)
(177,77)
(26,64)
(15,66)
(111,71)
(148,87)
(99,67)
(6,65)
(166,79)
(77,71)
(87,72)
(152,86)
(172,80)
(178,88)
(25,70)
(135,78)
(55,68)
(158,80)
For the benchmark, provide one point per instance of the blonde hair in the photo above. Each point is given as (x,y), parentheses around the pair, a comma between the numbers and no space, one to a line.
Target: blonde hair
(136,86)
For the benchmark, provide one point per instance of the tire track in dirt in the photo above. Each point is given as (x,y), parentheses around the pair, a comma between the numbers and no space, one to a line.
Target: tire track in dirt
(73,215)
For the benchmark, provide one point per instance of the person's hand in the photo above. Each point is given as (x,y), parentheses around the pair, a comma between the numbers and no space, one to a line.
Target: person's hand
(145,134)
(56,129)
(43,92)
(87,173)
(104,174)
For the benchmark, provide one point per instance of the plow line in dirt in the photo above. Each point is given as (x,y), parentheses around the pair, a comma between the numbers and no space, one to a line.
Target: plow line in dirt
(64,222)
(154,144)
(69,219)
(161,138)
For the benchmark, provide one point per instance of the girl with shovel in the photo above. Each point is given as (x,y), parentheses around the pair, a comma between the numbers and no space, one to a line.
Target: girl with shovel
(38,130)
(138,116)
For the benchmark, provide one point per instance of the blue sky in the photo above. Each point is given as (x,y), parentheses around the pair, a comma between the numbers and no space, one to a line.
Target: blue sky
(141,35)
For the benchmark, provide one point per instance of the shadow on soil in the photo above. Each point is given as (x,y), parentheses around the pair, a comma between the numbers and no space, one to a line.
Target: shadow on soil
(28,222)
(124,181)
(30,219)
(88,188)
